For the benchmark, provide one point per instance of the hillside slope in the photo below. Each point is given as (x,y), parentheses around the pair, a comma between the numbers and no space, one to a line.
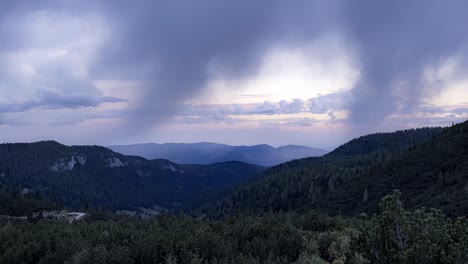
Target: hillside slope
(433,175)
(355,176)
(94,176)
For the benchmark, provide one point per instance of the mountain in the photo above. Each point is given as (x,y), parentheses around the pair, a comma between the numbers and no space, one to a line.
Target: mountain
(205,153)
(428,165)
(80,176)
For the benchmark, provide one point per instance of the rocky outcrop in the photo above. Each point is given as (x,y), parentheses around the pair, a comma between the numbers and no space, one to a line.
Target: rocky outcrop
(68,164)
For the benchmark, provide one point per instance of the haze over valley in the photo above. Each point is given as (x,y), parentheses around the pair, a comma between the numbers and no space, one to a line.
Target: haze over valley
(205,152)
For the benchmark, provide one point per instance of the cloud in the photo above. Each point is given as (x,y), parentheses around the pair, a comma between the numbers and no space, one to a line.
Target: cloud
(329,108)
(303,122)
(287,112)
(395,42)
(296,106)
(177,45)
(174,48)
(57,100)
(45,56)
(333,101)
(267,108)
(433,110)
(392,43)
(320,104)
(50,99)
(461,111)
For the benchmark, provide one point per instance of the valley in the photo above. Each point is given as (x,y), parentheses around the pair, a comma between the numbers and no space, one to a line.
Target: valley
(339,208)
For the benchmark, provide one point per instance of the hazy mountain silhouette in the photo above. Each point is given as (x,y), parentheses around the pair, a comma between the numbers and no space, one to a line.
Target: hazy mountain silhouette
(205,152)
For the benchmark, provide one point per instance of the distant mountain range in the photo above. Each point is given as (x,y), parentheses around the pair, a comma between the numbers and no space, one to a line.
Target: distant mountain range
(206,153)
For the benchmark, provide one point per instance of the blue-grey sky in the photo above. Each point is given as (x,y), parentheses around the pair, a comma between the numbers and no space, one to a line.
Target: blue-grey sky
(305,72)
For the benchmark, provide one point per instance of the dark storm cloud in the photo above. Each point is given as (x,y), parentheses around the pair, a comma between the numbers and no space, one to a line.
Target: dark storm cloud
(395,42)
(171,46)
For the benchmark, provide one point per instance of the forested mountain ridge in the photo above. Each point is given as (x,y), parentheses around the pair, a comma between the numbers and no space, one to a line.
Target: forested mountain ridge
(386,142)
(94,176)
(432,175)
(344,181)
(206,152)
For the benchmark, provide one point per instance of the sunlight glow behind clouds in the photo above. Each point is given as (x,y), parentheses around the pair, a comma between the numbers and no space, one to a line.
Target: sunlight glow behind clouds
(285,74)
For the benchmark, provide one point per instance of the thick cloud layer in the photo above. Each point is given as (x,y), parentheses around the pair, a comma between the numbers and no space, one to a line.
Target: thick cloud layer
(175,45)
(45,54)
(173,48)
(396,42)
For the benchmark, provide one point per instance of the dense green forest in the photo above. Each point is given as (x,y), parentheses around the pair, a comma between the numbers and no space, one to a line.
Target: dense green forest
(340,208)
(392,236)
(428,165)
(14,203)
(91,176)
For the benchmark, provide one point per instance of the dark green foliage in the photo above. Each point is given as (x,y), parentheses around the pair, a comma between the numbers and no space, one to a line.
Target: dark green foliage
(386,142)
(432,174)
(428,165)
(273,238)
(422,236)
(92,176)
(393,236)
(13,203)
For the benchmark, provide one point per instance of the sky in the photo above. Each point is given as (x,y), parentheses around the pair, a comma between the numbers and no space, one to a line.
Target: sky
(244,72)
